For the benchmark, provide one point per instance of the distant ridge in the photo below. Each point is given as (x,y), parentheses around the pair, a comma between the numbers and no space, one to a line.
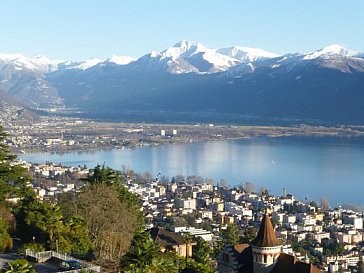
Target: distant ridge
(189,81)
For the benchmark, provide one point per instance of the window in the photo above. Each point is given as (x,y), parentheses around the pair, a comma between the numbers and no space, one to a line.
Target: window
(225,258)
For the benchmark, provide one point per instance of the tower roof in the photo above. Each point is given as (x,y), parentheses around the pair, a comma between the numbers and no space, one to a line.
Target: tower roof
(266,236)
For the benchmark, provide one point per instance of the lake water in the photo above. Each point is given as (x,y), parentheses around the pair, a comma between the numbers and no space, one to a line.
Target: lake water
(305,166)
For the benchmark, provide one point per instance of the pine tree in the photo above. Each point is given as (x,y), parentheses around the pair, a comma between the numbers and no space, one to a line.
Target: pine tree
(13,177)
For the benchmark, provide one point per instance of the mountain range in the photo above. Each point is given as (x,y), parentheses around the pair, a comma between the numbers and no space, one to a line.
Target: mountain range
(189,81)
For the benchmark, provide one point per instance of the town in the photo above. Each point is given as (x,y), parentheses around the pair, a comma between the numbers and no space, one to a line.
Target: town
(47,133)
(226,218)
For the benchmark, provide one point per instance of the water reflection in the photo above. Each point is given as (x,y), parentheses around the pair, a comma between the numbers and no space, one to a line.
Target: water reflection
(305,166)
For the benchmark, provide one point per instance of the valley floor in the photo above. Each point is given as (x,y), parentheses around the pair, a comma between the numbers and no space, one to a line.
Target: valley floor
(59,134)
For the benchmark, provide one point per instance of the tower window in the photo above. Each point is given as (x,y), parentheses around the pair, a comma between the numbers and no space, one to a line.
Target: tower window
(225,258)
(265,259)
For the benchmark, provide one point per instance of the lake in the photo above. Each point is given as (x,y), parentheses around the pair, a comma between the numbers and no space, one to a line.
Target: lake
(311,167)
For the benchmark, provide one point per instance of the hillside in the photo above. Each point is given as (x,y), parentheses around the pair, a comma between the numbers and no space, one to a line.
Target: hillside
(191,82)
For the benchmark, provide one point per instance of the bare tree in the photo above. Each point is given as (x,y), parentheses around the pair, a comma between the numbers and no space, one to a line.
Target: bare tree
(249,186)
(148,176)
(110,222)
(223,183)
(324,203)
(263,191)
(210,182)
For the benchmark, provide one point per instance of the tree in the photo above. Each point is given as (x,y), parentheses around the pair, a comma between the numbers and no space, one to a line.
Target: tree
(104,174)
(44,223)
(202,251)
(195,267)
(145,256)
(249,235)
(324,203)
(147,176)
(110,222)
(5,154)
(230,235)
(263,191)
(19,266)
(13,177)
(223,183)
(8,218)
(6,241)
(187,239)
(249,187)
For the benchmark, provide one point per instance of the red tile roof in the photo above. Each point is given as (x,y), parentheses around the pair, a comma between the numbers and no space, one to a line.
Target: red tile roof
(266,236)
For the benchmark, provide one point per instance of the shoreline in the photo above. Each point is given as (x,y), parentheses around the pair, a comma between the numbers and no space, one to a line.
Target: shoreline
(90,148)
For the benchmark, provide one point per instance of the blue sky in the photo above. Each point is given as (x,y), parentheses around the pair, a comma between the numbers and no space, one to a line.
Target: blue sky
(80,29)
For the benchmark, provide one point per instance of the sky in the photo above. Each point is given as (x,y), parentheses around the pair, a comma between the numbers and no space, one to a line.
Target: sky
(81,29)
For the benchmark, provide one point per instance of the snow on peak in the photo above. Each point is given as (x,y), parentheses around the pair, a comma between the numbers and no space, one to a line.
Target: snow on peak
(154,54)
(185,45)
(87,64)
(37,63)
(330,50)
(44,64)
(120,60)
(18,60)
(184,49)
(246,54)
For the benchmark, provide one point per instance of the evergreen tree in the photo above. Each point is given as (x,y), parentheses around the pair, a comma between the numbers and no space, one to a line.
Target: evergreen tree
(5,238)
(44,223)
(145,256)
(202,251)
(230,235)
(13,177)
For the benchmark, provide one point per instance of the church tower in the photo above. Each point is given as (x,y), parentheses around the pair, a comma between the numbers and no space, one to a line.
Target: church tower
(266,247)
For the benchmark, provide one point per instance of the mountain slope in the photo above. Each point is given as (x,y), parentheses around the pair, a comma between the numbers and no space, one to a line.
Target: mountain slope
(189,81)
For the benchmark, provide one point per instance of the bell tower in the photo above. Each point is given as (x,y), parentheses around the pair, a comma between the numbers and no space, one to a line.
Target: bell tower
(266,247)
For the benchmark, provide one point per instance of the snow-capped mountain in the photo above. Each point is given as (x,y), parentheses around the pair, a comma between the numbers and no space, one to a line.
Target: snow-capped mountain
(184,49)
(120,60)
(329,51)
(44,65)
(86,64)
(187,57)
(19,62)
(325,84)
(156,61)
(247,54)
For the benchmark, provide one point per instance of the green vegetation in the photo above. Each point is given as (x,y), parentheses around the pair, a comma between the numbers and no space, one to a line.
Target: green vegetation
(18,266)
(145,256)
(202,251)
(230,235)
(99,222)
(5,238)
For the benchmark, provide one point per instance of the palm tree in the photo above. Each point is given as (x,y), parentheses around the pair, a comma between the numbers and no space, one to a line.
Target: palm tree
(54,220)
(187,239)
(76,223)
(19,266)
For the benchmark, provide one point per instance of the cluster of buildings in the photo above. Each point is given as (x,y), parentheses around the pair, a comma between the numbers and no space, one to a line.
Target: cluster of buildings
(312,239)
(50,179)
(296,235)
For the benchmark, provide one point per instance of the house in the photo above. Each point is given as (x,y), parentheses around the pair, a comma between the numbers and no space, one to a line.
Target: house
(263,255)
(171,241)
